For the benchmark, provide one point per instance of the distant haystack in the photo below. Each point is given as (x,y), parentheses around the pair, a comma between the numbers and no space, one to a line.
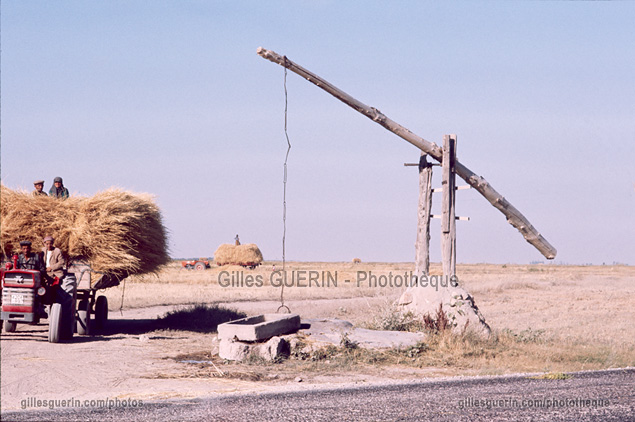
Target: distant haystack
(247,255)
(357,261)
(117,232)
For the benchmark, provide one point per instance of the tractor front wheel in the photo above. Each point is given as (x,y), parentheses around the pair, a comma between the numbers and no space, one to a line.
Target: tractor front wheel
(9,327)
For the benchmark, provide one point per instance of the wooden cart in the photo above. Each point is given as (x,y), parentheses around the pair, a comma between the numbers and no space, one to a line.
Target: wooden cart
(91,309)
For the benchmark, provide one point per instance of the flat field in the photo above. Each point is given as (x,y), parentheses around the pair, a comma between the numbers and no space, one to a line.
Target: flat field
(544,318)
(585,303)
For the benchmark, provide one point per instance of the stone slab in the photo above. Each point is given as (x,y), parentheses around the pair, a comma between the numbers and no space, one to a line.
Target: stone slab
(329,330)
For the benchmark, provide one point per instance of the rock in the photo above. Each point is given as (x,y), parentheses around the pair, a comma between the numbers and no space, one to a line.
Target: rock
(294,342)
(456,302)
(297,379)
(233,350)
(275,348)
(405,299)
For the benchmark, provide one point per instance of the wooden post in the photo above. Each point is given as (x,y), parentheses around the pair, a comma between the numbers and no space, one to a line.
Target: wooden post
(448,220)
(514,217)
(422,245)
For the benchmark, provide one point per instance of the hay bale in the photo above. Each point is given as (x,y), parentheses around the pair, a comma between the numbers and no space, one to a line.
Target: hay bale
(246,255)
(118,232)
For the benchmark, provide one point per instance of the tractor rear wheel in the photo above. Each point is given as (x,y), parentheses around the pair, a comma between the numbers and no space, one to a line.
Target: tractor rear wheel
(55,323)
(9,327)
(83,317)
(200,266)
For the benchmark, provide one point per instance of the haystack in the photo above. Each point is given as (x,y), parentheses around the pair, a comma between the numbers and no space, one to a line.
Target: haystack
(246,255)
(117,232)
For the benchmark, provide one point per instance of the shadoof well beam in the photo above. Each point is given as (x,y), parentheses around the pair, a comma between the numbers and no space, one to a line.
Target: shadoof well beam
(514,217)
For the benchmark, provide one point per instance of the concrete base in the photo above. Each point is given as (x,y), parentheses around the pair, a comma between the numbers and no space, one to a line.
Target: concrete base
(331,331)
(315,335)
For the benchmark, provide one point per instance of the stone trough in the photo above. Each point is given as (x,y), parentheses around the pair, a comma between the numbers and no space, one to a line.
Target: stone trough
(259,327)
(259,335)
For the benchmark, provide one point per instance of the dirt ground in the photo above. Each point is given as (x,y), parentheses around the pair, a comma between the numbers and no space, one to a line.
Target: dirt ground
(588,310)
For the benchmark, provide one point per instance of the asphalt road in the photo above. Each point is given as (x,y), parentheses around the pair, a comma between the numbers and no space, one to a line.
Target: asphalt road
(586,396)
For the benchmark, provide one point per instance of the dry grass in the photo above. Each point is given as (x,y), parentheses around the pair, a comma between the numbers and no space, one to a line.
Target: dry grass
(116,231)
(468,353)
(442,354)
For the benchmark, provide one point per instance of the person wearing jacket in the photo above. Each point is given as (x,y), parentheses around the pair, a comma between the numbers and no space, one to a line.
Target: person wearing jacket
(39,186)
(53,258)
(58,190)
(55,264)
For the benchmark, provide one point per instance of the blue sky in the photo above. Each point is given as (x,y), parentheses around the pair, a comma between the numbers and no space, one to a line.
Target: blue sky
(170,98)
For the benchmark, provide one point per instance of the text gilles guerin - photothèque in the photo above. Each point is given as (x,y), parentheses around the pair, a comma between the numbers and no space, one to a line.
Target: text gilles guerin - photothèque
(312,279)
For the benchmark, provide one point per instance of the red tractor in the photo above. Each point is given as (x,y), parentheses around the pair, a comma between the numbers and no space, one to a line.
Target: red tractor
(199,265)
(28,296)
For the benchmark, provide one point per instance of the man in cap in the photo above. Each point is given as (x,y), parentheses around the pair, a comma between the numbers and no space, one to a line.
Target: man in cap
(29,260)
(58,190)
(39,185)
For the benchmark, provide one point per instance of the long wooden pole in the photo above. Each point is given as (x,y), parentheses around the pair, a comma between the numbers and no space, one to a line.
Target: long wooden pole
(514,217)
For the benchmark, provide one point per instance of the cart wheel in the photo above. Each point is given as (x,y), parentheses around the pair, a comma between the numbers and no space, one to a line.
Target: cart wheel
(55,323)
(101,312)
(200,266)
(9,327)
(83,318)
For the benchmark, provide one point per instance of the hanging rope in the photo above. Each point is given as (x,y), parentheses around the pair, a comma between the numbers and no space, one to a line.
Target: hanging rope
(284,191)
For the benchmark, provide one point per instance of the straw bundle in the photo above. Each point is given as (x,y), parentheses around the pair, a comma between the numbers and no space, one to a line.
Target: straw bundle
(246,255)
(118,232)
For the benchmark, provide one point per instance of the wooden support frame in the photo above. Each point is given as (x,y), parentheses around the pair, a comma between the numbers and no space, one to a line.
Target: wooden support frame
(448,217)
(514,217)
(422,244)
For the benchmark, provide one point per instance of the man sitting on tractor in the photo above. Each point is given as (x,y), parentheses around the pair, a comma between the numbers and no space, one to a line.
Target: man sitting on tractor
(28,260)
(55,267)
(53,258)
